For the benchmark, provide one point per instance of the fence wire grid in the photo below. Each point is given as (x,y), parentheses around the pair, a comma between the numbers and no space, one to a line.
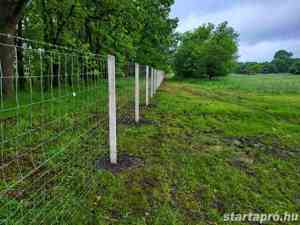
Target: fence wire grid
(54,125)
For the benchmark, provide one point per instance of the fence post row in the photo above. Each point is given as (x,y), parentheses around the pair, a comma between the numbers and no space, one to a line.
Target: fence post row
(112,109)
(156,78)
(137,94)
(147,85)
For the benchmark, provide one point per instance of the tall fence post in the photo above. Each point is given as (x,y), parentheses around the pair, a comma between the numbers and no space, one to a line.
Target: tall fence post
(137,94)
(157,76)
(155,79)
(151,83)
(112,109)
(147,85)
(154,72)
(160,78)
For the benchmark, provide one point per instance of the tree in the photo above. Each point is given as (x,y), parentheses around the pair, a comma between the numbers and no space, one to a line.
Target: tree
(282,61)
(10,13)
(268,68)
(295,68)
(157,34)
(283,54)
(249,68)
(208,51)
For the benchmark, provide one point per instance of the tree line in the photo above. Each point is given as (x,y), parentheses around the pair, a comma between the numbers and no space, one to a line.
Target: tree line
(283,62)
(139,30)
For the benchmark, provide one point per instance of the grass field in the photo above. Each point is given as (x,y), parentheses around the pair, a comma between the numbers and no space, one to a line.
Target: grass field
(221,146)
(230,145)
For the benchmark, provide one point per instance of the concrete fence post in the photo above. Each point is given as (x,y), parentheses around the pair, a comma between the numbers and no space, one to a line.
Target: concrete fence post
(137,93)
(154,77)
(158,77)
(155,81)
(112,109)
(151,83)
(147,85)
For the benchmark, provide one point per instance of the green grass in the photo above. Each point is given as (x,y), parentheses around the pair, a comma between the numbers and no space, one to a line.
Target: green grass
(221,146)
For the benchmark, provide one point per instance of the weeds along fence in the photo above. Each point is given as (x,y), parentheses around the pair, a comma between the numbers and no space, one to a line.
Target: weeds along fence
(60,110)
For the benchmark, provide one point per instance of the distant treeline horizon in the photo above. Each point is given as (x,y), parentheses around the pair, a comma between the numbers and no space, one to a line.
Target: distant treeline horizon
(282,62)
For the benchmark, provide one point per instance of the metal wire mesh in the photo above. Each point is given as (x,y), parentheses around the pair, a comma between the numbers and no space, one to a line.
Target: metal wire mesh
(53,125)
(53,100)
(125,83)
(142,86)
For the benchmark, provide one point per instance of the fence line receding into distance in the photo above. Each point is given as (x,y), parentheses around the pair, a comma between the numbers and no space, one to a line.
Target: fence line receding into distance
(56,105)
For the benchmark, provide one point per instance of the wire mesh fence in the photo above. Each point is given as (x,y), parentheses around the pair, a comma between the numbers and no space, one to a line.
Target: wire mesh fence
(125,85)
(54,124)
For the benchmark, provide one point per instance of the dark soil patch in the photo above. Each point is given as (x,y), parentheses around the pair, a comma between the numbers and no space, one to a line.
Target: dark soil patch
(127,120)
(243,142)
(257,143)
(8,121)
(153,105)
(125,162)
(147,122)
(219,205)
(243,166)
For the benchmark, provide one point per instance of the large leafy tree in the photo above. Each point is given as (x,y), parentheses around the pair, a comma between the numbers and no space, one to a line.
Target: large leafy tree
(282,61)
(208,51)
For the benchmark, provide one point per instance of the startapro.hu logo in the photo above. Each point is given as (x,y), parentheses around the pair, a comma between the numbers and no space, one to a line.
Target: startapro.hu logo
(261,218)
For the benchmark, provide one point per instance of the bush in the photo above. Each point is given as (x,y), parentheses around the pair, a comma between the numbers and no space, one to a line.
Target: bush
(207,52)
(295,68)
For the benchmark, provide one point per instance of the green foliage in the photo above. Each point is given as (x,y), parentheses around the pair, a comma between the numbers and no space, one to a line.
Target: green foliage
(140,30)
(268,68)
(248,68)
(283,54)
(281,63)
(208,51)
(295,68)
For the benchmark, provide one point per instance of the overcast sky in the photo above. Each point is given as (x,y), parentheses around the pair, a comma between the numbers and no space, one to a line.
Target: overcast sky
(265,26)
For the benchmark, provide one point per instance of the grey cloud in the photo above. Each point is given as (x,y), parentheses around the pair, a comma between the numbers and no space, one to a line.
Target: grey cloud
(258,22)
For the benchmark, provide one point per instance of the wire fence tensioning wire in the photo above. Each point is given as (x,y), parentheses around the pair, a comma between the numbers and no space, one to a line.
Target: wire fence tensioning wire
(54,124)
